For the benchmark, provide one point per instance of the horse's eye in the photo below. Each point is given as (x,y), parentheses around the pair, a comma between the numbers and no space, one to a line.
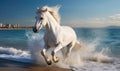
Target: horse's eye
(41,18)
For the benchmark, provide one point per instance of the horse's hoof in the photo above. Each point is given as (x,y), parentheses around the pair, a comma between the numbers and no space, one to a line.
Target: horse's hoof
(49,62)
(56,60)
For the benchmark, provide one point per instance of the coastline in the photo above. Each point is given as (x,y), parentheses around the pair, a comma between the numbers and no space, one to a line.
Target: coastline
(20,28)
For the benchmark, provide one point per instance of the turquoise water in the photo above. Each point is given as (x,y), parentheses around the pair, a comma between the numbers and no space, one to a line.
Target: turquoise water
(13,38)
(107,38)
(16,45)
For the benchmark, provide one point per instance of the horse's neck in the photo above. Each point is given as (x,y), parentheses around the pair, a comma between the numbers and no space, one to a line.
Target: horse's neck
(53,26)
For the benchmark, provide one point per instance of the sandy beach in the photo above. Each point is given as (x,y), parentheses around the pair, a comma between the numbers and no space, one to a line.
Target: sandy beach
(8,65)
(38,68)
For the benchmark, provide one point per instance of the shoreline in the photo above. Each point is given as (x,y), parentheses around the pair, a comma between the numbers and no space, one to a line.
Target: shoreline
(29,28)
(33,69)
(9,65)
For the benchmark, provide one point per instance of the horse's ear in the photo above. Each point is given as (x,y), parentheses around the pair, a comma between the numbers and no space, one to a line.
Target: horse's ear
(45,10)
(56,8)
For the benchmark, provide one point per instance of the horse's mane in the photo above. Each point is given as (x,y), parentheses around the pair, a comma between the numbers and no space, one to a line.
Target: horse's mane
(52,10)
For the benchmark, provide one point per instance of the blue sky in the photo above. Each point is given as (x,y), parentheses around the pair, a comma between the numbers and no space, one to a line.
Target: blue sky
(75,13)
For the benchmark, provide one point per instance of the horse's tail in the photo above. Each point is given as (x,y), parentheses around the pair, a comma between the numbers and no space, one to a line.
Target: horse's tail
(77,45)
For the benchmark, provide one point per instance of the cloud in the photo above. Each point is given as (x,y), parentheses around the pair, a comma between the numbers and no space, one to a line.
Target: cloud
(115,17)
(113,20)
(91,22)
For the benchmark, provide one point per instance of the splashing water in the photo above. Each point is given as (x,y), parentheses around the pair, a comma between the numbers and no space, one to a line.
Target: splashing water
(87,53)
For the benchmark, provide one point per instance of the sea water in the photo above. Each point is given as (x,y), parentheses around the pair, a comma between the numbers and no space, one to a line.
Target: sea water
(100,49)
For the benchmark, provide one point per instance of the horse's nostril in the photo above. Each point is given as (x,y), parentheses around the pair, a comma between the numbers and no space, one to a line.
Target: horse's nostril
(35,30)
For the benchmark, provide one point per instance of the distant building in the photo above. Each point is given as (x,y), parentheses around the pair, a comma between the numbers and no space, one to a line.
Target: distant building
(15,25)
(1,25)
(8,25)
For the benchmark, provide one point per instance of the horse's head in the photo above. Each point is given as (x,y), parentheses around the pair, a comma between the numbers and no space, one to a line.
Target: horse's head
(42,17)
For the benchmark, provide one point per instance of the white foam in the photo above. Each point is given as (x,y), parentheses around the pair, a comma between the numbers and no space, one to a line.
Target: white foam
(36,44)
(96,66)
(15,54)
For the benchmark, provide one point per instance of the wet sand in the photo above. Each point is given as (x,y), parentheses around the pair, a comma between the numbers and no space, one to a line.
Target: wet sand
(8,65)
(47,69)
(33,69)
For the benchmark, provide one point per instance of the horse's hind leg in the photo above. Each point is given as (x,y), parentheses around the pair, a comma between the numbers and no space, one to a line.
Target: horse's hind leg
(69,48)
(63,52)
(43,53)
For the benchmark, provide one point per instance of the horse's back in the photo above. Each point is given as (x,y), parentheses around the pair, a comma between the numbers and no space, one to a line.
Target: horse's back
(68,30)
(68,34)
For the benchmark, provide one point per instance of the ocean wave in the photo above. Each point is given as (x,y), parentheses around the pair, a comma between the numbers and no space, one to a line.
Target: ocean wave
(96,66)
(14,54)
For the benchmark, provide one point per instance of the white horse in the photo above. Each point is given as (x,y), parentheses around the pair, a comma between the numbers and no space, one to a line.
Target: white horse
(56,36)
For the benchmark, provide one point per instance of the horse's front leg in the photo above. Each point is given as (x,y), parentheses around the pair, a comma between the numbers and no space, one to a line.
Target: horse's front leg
(43,53)
(54,57)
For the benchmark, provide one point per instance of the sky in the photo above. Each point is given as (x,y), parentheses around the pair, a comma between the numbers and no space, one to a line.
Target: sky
(74,13)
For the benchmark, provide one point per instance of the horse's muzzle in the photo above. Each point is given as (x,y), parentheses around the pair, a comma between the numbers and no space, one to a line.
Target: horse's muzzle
(35,30)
